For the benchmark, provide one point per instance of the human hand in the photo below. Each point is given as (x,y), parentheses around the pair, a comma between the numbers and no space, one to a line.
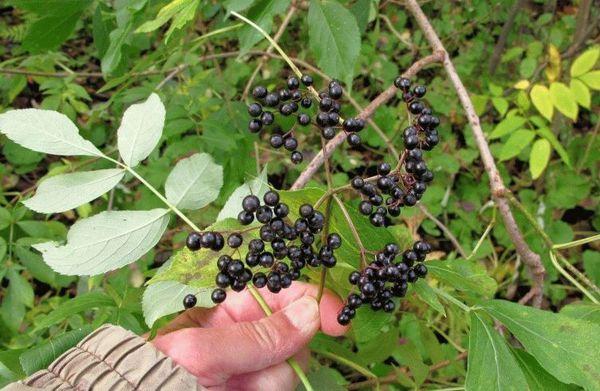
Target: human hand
(233,346)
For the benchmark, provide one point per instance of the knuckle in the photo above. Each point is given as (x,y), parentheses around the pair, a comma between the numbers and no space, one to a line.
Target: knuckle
(263,333)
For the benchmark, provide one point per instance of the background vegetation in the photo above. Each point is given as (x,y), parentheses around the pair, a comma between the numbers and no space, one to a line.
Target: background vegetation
(531,69)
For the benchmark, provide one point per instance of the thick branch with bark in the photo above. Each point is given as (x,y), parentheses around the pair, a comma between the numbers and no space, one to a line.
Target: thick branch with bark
(368,111)
(498,189)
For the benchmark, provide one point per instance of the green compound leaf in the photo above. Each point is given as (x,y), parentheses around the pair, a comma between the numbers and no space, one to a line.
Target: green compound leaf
(464,276)
(539,157)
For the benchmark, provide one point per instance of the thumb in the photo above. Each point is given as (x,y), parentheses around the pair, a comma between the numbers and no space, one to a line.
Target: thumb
(246,346)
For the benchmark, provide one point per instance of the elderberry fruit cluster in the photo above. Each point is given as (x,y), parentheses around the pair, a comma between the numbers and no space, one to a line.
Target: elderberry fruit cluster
(393,189)
(384,279)
(287,240)
(293,100)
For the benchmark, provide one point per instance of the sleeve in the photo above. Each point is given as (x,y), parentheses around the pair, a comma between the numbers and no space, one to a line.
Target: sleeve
(110,358)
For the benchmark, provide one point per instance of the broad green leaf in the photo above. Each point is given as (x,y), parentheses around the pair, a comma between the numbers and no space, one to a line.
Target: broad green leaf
(501,105)
(12,309)
(491,366)
(111,59)
(585,62)
(548,135)
(428,295)
(507,125)
(45,131)
(182,18)
(257,186)
(199,268)
(166,298)
(592,79)
(540,96)
(55,24)
(516,143)
(591,265)
(194,182)
(408,354)
(463,275)
(105,241)
(581,92)
(325,379)
(584,311)
(261,13)
(537,377)
(21,287)
(10,367)
(84,302)
(5,218)
(63,192)
(140,130)
(334,38)
(539,157)
(563,99)
(42,355)
(549,336)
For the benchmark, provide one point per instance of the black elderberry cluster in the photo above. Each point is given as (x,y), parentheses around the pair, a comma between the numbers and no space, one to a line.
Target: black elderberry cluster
(395,189)
(294,100)
(292,241)
(384,279)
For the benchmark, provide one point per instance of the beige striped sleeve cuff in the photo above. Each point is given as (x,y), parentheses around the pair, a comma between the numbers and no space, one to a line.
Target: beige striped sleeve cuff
(110,358)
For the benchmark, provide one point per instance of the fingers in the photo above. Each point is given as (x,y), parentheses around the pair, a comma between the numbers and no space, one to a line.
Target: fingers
(242,307)
(277,377)
(214,354)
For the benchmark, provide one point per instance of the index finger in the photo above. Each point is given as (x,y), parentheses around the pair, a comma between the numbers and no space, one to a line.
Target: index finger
(242,307)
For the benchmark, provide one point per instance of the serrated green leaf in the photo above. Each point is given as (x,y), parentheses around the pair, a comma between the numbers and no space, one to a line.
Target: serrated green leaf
(41,356)
(563,99)
(78,304)
(585,62)
(507,125)
(539,157)
(591,79)
(516,143)
(537,377)
(45,131)
(164,15)
(464,276)
(194,182)
(68,191)
(106,241)
(581,92)
(112,58)
(140,130)
(540,96)
(334,38)
(491,366)
(547,335)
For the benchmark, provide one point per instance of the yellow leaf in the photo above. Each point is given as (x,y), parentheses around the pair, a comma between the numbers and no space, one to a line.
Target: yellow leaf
(540,96)
(522,84)
(553,68)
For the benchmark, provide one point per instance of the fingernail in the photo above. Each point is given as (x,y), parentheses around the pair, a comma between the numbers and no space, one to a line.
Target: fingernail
(303,313)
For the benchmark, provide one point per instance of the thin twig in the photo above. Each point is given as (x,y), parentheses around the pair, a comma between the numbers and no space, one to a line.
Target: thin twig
(381,99)
(444,229)
(530,259)
(501,42)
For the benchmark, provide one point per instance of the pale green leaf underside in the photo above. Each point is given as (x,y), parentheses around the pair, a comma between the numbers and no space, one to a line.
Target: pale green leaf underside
(63,192)
(194,182)
(233,206)
(140,130)
(166,298)
(46,131)
(491,365)
(106,241)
